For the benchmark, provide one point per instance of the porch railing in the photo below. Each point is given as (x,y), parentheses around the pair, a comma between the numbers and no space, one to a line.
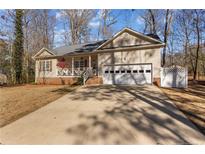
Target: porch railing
(88,73)
(75,72)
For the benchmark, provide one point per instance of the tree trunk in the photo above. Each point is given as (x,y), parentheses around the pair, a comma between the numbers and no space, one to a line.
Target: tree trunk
(18,46)
(165,38)
(198,45)
(26,67)
(153,25)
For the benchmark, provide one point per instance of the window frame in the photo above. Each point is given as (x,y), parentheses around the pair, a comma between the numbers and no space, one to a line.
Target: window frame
(80,63)
(45,65)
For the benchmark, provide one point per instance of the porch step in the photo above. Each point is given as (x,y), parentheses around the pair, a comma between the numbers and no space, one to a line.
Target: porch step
(94,80)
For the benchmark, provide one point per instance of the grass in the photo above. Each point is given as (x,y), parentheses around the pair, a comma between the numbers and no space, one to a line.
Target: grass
(16,102)
(191,102)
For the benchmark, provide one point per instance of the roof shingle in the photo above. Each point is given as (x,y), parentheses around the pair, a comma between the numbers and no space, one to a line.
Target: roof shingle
(79,48)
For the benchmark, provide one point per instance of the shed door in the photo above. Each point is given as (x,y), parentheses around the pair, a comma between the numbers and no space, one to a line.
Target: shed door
(128,74)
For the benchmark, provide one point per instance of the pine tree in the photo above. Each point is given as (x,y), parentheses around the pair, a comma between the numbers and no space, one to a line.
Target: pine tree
(18,46)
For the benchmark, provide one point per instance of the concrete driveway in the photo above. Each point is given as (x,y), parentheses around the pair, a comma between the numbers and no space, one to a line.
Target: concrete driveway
(105,115)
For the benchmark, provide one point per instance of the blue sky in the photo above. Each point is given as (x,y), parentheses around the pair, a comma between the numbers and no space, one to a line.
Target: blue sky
(125,18)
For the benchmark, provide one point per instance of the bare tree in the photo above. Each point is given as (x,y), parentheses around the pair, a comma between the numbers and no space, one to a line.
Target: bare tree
(26,21)
(107,20)
(190,29)
(38,29)
(167,28)
(152,21)
(184,31)
(158,22)
(66,34)
(38,26)
(78,23)
(7,21)
(197,23)
(41,29)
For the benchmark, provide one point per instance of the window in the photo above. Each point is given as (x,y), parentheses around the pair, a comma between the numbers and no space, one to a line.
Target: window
(46,65)
(43,65)
(93,64)
(82,63)
(47,68)
(86,63)
(122,71)
(106,72)
(134,71)
(141,71)
(79,63)
(117,71)
(111,71)
(76,64)
(148,71)
(128,71)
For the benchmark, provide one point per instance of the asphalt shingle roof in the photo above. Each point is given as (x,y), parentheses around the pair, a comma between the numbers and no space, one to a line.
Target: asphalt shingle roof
(155,36)
(79,48)
(86,47)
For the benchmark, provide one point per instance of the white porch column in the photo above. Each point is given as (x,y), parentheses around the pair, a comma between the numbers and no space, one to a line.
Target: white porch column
(72,69)
(89,61)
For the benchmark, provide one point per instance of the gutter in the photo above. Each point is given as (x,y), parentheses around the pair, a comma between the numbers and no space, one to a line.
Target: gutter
(130,48)
(106,50)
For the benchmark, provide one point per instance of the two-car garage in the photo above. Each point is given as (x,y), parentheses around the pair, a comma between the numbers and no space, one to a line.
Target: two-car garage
(130,58)
(127,74)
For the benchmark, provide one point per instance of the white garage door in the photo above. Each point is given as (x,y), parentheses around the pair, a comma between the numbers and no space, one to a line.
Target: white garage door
(127,74)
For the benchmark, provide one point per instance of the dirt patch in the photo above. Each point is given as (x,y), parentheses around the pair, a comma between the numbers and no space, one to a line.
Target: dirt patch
(18,101)
(191,102)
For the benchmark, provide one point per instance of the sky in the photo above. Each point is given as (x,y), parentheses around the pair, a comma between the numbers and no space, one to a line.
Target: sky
(131,18)
(125,18)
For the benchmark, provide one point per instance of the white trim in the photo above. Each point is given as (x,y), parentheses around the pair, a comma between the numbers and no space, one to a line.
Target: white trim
(72,63)
(79,62)
(132,78)
(142,35)
(44,64)
(40,51)
(129,30)
(119,49)
(89,58)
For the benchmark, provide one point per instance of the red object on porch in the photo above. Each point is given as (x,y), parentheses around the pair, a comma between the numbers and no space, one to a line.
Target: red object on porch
(61,63)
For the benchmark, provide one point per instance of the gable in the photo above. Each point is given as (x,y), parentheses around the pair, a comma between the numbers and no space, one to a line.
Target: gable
(128,37)
(43,53)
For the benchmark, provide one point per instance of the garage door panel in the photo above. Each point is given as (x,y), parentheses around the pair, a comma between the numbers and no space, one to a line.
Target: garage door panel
(127,74)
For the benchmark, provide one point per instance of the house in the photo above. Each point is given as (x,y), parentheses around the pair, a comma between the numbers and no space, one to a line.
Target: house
(129,57)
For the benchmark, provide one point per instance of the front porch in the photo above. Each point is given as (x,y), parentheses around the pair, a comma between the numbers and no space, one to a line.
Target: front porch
(75,66)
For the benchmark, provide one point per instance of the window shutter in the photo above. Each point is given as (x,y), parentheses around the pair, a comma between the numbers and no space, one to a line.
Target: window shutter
(50,65)
(43,65)
(40,62)
(39,65)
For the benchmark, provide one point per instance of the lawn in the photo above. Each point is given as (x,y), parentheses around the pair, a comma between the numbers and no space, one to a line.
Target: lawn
(191,102)
(18,101)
